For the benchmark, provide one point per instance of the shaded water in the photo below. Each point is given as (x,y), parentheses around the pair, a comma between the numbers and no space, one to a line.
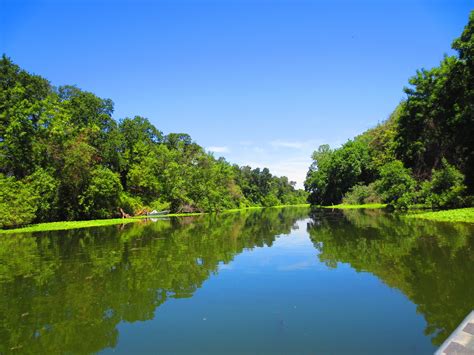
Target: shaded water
(267,281)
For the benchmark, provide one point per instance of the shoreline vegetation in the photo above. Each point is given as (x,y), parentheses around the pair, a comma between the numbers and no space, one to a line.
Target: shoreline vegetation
(65,157)
(464,215)
(420,157)
(345,206)
(67,225)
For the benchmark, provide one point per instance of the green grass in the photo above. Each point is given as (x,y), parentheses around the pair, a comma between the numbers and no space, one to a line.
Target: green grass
(346,206)
(456,215)
(56,226)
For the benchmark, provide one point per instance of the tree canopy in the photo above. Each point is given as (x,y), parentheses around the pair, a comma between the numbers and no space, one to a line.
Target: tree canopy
(64,157)
(429,134)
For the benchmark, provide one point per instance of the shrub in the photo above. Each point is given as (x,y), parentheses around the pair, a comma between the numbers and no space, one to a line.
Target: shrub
(396,186)
(18,203)
(360,194)
(130,204)
(270,200)
(445,189)
(101,197)
(45,185)
(160,205)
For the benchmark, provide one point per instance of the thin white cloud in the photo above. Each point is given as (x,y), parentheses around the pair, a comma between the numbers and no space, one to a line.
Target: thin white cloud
(217,149)
(287,144)
(311,144)
(302,265)
(283,157)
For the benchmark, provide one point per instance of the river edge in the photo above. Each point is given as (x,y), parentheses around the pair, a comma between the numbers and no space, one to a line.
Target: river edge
(67,225)
(457,215)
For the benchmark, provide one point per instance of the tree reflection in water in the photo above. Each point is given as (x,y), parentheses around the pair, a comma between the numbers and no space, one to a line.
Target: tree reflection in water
(67,291)
(431,263)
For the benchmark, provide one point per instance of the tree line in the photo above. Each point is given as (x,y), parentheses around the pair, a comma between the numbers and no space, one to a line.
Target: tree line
(64,157)
(422,155)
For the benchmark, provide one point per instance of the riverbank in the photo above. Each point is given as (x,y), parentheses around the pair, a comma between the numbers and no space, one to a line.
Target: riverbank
(66,225)
(346,206)
(456,215)
(465,215)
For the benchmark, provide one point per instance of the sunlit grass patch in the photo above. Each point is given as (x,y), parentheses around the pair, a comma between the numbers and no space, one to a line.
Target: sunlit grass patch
(455,215)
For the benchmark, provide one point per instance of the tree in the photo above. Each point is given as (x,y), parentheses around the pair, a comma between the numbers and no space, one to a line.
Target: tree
(64,145)
(334,172)
(46,186)
(18,203)
(445,189)
(396,184)
(101,197)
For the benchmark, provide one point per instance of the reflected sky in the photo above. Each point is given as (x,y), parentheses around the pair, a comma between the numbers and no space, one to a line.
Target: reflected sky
(272,281)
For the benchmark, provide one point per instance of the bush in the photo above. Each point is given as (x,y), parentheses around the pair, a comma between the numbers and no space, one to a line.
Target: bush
(130,204)
(45,185)
(18,203)
(360,194)
(270,200)
(445,189)
(160,205)
(101,197)
(396,186)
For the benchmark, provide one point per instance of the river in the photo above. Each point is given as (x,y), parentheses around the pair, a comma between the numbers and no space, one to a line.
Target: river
(270,281)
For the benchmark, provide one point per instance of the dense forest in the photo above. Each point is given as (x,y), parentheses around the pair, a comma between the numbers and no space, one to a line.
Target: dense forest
(422,155)
(64,157)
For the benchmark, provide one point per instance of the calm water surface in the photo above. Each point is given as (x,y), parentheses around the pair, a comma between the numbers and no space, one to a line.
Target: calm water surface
(269,281)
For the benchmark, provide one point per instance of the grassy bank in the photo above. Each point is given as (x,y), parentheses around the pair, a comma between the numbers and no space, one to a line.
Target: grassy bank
(456,215)
(55,226)
(368,205)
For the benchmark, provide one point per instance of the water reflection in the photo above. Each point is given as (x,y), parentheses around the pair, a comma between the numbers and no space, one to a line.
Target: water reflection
(431,263)
(67,291)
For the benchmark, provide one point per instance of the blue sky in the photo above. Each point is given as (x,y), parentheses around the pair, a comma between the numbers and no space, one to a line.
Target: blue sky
(260,82)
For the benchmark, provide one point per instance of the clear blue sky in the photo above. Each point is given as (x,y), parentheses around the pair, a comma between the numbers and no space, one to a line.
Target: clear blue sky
(259,82)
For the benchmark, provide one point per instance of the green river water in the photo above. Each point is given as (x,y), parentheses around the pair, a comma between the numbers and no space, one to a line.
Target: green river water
(271,281)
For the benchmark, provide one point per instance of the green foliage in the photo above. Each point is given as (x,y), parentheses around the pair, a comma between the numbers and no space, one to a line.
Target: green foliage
(334,172)
(44,184)
(77,279)
(100,198)
(445,189)
(416,257)
(64,145)
(438,117)
(362,194)
(159,205)
(434,124)
(18,202)
(396,185)
(260,188)
(130,204)
(456,215)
